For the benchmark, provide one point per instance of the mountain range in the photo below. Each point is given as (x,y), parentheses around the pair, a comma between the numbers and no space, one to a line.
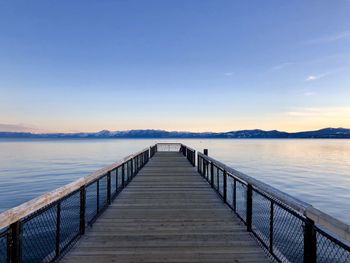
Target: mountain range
(340,133)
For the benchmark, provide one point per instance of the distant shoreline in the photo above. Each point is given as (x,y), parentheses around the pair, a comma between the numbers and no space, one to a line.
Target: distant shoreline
(14,139)
(327,133)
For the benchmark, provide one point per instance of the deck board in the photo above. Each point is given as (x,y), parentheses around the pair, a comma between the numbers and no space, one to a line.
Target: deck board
(168,213)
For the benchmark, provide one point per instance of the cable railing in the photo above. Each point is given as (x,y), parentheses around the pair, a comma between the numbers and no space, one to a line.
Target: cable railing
(43,229)
(288,229)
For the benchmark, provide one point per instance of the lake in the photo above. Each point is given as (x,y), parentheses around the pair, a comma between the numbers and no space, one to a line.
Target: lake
(315,171)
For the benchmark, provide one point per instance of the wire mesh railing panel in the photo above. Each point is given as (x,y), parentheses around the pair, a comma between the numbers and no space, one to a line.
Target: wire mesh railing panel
(261,217)
(91,202)
(215,176)
(281,229)
(221,182)
(241,200)
(46,233)
(206,171)
(168,147)
(204,168)
(125,171)
(329,250)
(113,182)
(133,166)
(3,246)
(120,177)
(129,169)
(102,192)
(229,191)
(70,219)
(288,235)
(191,156)
(153,150)
(39,236)
(201,168)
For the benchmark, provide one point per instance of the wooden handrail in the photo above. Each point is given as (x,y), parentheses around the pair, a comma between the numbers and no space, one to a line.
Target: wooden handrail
(17,213)
(193,150)
(341,229)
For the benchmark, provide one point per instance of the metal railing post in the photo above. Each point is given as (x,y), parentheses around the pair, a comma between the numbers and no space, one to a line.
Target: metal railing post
(15,242)
(310,246)
(249,207)
(205,151)
(82,210)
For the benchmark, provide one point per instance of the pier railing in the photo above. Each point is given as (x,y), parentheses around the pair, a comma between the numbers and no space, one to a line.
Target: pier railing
(43,229)
(188,152)
(289,229)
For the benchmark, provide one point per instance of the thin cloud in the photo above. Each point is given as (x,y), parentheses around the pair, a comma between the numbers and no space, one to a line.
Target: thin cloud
(316,77)
(277,67)
(320,112)
(313,77)
(228,73)
(281,66)
(330,38)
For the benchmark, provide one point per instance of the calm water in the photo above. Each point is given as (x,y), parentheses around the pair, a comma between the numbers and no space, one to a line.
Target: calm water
(315,171)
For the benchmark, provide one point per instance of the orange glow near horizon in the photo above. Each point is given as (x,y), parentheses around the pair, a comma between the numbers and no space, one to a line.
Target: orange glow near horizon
(289,123)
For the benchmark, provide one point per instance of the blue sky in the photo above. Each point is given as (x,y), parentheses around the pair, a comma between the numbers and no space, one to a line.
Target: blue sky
(175,65)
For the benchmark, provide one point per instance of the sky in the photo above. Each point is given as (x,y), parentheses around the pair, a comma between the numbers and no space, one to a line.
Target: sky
(186,65)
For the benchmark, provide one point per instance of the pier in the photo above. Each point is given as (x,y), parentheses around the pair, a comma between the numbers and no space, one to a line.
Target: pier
(170,203)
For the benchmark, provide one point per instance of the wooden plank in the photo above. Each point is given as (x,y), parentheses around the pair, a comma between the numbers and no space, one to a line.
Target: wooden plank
(168,213)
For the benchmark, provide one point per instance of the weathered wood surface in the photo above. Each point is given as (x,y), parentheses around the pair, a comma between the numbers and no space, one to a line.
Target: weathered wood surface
(168,213)
(19,212)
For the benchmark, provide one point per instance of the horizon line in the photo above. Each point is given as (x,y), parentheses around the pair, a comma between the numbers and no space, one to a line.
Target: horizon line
(179,131)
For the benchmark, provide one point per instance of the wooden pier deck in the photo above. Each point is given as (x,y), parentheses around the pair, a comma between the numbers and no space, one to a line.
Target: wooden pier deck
(168,213)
